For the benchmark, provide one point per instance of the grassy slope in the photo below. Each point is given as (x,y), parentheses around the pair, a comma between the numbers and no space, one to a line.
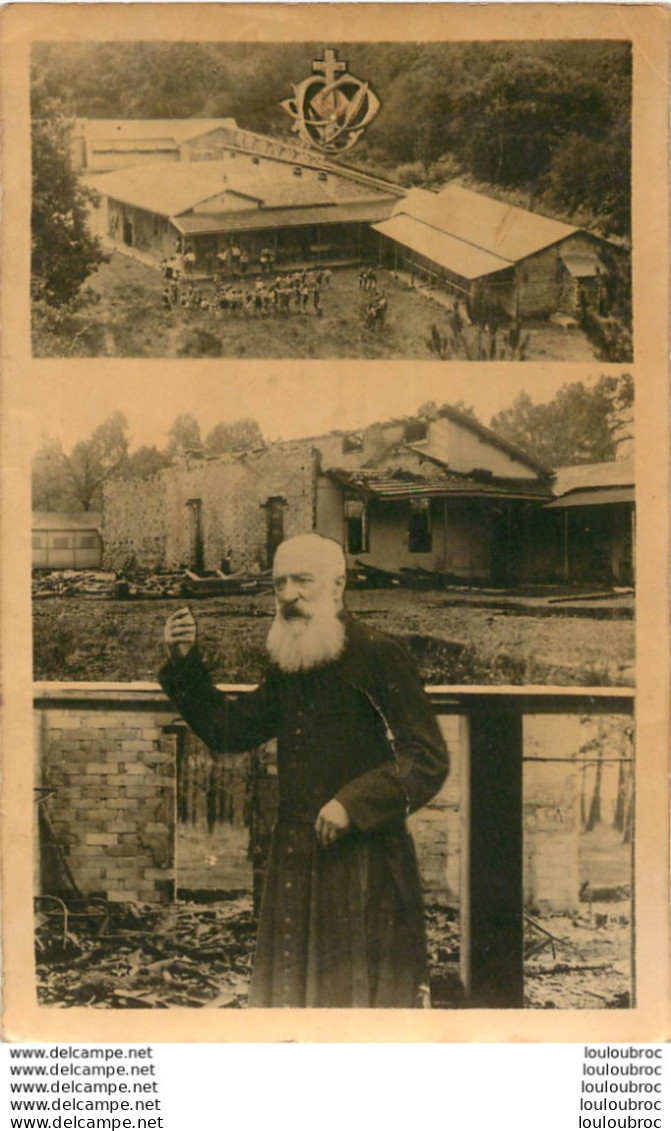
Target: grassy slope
(129,321)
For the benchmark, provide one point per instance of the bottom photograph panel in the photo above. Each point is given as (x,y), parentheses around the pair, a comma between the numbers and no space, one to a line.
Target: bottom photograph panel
(159,863)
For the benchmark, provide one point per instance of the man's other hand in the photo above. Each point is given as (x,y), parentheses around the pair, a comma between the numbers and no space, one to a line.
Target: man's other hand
(332,822)
(180,633)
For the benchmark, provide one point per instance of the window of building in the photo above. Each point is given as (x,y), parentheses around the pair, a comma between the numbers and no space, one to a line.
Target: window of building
(356,526)
(61,542)
(415,431)
(353,442)
(88,541)
(419,526)
(37,542)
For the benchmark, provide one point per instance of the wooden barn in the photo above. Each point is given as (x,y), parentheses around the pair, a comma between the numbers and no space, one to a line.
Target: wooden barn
(101,145)
(595,504)
(472,246)
(301,213)
(66,541)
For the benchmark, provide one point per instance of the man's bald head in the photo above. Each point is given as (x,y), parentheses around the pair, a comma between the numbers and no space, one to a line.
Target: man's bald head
(309,579)
(310,554)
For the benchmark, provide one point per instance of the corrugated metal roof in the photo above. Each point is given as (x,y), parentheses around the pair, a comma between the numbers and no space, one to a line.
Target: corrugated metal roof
(503,230)
(596,496)
(461,258)
(403,485)
(267,218)
(185,185)
(60,520)
(164,189)
(138,129)
(616,473)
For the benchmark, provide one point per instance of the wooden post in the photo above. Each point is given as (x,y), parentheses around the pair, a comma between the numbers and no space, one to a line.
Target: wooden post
(492,919)
(566,558)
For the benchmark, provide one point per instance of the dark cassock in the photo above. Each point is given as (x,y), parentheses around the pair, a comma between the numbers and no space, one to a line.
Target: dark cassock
(341,925)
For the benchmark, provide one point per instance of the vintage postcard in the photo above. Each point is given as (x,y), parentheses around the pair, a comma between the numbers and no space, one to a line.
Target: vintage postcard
(335,522)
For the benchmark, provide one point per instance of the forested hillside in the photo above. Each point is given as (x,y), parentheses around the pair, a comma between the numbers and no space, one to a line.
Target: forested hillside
(548,122)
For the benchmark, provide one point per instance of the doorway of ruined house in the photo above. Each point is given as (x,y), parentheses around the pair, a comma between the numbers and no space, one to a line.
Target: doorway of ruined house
(196,547)
(274,508)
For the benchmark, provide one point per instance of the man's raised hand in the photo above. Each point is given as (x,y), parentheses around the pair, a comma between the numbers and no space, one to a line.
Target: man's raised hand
(180,633)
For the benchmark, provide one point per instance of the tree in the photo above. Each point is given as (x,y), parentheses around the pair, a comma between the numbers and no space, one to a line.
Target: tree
(50,482)
(92,462)
(237,436)
(144,462)
(63,251)
(74,482)
(184,435)
(579,425)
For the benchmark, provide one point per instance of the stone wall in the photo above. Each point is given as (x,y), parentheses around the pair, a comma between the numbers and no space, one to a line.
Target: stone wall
(134,523)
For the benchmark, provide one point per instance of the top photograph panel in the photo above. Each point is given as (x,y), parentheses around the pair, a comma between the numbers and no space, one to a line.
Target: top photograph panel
(447,201)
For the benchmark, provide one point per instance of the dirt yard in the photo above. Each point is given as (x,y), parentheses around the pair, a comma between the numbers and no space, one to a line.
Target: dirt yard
(456,637)
(128,320)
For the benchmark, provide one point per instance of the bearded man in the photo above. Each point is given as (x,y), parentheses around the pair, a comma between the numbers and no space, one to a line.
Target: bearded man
(359,748)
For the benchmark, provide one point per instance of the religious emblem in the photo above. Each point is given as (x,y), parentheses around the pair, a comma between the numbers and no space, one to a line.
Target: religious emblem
(331,108)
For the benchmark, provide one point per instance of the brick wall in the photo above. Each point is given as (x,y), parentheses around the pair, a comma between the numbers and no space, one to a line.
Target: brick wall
(112,773)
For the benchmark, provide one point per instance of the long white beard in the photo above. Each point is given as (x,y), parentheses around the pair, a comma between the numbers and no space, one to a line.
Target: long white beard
(299,644)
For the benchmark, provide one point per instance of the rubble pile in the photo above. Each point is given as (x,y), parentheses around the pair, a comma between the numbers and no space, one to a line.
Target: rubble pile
(583,962)
(144,584)
(138,956)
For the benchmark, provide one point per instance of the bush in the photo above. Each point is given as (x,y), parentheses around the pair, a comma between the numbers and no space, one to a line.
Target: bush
(410,174)
(199,343)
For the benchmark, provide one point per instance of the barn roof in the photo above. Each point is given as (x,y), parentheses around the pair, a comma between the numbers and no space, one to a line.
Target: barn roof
(465,227)
(146,129)
(266,218)
(455,255)
(595,496)
(174,191)
(584,476)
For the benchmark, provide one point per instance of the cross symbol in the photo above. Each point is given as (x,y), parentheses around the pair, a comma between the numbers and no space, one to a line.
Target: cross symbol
(329,66)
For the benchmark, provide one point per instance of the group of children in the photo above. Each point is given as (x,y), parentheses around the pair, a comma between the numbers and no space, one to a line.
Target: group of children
(298,292)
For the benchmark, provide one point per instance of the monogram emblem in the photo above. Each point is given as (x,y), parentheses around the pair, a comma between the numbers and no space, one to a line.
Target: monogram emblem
(331,108)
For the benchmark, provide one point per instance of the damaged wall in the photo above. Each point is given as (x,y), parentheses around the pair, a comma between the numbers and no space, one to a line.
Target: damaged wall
(192,515)
(134,523)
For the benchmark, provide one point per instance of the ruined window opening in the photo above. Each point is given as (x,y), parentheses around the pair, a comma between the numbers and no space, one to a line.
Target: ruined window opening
(415,431)
(274,508)
(419,526)
(356,526)
(353,442)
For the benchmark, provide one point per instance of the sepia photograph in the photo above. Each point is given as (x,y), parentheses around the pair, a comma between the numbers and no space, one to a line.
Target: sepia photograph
(335,522)
(349,628)
(446,201)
